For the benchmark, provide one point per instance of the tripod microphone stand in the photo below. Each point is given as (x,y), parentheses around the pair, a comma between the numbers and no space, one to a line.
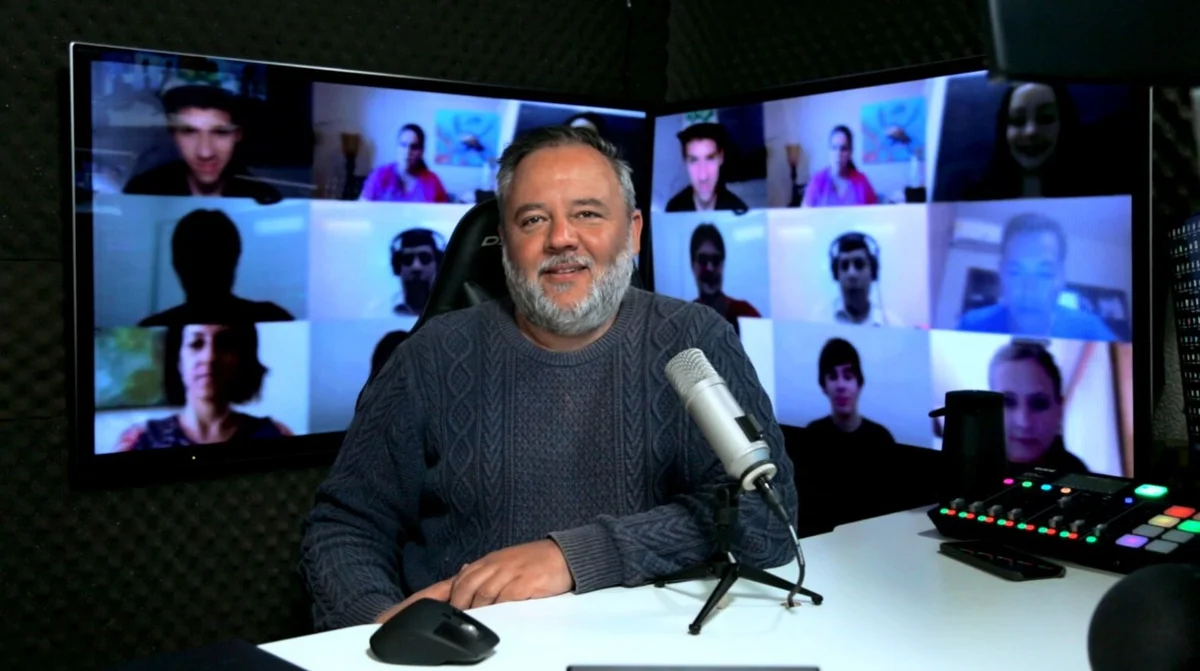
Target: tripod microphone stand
(723,566)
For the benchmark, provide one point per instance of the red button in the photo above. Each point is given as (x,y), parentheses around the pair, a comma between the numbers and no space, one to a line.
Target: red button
(1180,511)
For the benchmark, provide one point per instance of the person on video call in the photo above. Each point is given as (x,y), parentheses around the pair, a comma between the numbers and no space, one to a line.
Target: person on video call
(1036,151)
(205,250)
(708,266)
(207,370)
(407,179)
(854,261)
(206,125)
(840,376)
(561,389)
(840,183)
(703,147)
(1032,277)
(1031,382)
(416,258)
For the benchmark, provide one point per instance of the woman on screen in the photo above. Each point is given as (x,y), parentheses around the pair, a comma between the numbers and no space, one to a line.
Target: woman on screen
(1036,148)
(1026,373)
(841,183)
(408,179)
(207,370)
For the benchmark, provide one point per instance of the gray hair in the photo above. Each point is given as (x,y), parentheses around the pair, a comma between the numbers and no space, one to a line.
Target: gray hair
(562,136)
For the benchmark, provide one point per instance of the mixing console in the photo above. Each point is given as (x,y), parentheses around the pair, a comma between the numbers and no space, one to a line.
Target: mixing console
(1099,521)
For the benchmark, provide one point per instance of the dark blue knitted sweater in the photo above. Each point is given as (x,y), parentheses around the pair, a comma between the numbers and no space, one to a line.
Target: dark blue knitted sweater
(473,439)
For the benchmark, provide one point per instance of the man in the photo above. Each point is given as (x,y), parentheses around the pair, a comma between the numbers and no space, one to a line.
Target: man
(205,124)
(1033,254)
(708,266)
(703,146)
(205,250)
(854,261)
(416,258)
(840,376)
(533,446)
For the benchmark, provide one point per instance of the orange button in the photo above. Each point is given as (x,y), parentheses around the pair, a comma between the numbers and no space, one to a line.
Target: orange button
(1165,521)
(1180,511)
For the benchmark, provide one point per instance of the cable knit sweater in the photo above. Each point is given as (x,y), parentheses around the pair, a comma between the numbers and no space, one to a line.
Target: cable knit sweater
(472,439)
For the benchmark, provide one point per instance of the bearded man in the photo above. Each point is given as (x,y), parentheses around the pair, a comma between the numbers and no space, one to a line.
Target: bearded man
(533,446)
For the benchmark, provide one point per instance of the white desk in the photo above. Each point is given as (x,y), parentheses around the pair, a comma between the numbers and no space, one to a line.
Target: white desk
(892,603)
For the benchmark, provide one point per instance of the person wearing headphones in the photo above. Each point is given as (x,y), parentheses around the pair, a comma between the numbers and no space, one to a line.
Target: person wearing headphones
(416,257)
(708,267)
(854,262)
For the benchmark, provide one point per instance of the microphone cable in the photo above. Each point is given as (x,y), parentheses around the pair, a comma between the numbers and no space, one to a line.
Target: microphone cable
(768,493)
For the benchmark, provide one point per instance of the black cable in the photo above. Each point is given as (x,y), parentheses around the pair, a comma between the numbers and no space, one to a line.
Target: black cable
(768,493)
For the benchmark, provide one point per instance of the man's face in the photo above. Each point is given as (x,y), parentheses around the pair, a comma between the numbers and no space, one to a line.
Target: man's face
(709,268)
(1031,274)
(569,239)
(703,159)
(854,273)
(206,139)
(842,388)
(418,263)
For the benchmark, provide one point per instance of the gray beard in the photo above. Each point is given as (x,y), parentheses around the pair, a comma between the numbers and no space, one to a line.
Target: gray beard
(609,286)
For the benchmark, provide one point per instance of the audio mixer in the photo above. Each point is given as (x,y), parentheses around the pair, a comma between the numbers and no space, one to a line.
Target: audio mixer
(1103,522)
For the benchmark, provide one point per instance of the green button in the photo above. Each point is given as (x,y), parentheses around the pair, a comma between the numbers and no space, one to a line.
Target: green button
(1190,526)
(1151,491)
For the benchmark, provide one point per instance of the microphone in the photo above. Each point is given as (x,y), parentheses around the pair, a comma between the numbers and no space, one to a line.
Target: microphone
(736,437)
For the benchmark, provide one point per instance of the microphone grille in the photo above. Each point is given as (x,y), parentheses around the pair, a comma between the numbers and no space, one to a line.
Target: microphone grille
(688,368)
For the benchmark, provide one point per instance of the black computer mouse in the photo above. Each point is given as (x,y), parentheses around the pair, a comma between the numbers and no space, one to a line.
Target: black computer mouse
(431,633)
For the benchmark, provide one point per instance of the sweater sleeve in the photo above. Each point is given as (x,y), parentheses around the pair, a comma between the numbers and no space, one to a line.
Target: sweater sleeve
(636,549)
(350,551)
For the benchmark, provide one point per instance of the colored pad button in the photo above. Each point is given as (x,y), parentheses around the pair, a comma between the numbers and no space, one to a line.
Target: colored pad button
(1165,521)
(1180,511)
(1151,491)
(1190,526)
(1161,547)
(1148,531)
(1177,536)
(1131,541)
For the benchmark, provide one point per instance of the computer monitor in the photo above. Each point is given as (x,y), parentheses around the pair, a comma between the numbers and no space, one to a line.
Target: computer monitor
(882,240)
(250,239)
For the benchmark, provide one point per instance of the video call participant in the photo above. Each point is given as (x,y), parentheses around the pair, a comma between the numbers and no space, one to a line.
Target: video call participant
(840,183)
(1032,277)
(1031,382)
(703,147)
(1036,150)
(840,376)
(416,258)
(854,261)
(205,250)
(515,450)
(205,123)
(407,179)
(708,266)
(207,370)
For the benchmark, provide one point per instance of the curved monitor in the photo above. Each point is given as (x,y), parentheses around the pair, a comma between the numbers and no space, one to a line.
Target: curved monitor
(250,239)
(882,240)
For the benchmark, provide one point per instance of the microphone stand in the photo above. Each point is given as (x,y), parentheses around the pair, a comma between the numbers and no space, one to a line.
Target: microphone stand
(723,566)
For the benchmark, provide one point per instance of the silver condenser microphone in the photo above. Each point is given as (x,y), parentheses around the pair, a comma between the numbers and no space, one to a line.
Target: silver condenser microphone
(734,435)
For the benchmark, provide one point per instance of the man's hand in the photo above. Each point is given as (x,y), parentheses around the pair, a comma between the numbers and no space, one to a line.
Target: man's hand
(530,571)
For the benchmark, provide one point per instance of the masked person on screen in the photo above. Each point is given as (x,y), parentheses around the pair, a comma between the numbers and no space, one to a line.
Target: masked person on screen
(703,147)
(533,445)
(205,250)
(207,370)
(407,179)
(708,266)
(1031,382)
(1033,256)
(840,376)
(840,183)
(206,125)
(854,260)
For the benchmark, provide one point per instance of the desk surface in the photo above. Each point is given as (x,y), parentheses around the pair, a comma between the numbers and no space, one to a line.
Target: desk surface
(892,603)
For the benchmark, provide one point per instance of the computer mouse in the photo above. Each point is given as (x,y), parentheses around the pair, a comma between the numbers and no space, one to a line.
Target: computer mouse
(432,633)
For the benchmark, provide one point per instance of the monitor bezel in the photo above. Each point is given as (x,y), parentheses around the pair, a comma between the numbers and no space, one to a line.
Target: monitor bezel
(1141,295)
(88,470)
